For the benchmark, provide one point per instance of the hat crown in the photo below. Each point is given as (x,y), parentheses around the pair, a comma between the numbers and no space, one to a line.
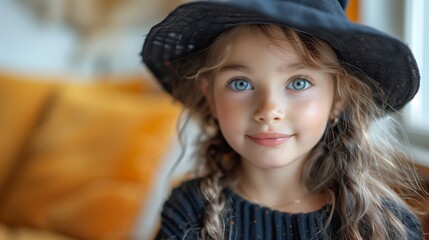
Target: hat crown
(333,7)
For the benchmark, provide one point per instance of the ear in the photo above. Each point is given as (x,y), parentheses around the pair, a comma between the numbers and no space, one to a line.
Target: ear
(337,107)
(208,94)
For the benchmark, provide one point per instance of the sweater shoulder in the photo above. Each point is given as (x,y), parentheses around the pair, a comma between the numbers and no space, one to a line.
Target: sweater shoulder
(410,221)
(182,213)
(186,199)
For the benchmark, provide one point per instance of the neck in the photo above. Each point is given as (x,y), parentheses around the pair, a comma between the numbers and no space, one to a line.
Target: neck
(272,182)
(278,188)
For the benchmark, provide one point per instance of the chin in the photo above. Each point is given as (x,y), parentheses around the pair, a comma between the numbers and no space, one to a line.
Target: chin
(272,163)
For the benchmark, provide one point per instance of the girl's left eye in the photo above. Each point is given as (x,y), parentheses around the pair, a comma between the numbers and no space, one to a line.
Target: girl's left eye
(299,84)
(240,85)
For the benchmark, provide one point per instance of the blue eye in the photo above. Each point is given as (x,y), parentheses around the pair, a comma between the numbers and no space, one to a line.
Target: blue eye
(240,85)
(299,84)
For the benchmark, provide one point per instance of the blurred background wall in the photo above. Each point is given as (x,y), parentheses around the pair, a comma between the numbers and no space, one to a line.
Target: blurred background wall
(76,36)
(87,138)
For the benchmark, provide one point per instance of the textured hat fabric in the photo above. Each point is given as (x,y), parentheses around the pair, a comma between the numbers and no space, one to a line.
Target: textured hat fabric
(194,26)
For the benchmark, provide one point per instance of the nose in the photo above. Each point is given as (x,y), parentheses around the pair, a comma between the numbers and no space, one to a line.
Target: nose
(270,109)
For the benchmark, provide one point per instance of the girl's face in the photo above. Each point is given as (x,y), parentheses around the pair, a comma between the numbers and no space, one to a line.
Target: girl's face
(271,108)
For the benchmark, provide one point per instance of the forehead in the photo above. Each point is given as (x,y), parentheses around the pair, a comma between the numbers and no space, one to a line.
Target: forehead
(250,42)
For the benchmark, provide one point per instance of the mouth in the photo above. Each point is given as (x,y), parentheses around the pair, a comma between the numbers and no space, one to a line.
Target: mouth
(269,139)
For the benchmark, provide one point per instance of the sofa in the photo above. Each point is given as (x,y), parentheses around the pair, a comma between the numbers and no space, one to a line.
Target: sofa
(79,157)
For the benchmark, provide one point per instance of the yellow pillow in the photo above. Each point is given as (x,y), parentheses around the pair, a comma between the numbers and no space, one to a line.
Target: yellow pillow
(91,162)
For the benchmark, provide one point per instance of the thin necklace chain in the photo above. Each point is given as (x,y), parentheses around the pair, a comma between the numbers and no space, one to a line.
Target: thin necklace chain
(295,201)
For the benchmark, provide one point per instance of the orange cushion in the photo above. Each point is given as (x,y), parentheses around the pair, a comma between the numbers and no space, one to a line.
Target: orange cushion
(21,103)
(91,162)
(128,83)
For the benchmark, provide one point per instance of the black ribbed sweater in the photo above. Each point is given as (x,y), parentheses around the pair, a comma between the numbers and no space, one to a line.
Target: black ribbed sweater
(183,212)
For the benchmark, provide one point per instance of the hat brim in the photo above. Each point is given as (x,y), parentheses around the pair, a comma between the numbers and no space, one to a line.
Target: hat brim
(364,50)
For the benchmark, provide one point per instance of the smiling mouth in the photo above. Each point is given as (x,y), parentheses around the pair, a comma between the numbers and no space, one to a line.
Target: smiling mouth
(269,139)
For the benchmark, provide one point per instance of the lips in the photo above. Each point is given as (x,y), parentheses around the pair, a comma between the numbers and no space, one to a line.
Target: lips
(269,139)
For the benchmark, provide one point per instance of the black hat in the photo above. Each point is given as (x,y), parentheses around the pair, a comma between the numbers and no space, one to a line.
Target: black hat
(193,27)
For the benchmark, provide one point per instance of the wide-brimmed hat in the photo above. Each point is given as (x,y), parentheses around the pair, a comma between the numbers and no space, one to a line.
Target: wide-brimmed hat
(193,27)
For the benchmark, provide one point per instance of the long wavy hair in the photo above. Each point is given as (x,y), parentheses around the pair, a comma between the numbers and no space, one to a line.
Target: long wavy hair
(361,171)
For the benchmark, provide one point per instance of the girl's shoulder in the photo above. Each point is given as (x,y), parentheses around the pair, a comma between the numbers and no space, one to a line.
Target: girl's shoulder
(410,221)
(185,202)
(187,191)
(181,216)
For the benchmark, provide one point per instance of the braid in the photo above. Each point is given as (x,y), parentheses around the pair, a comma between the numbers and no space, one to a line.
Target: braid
(220,165)
(214,226)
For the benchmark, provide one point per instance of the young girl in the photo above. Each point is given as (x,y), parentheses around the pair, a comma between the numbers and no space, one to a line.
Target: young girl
(289,95)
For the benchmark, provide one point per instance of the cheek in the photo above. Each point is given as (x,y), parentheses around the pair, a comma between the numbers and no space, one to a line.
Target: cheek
(223,109)
(232,114)
(314,116)
(230,111)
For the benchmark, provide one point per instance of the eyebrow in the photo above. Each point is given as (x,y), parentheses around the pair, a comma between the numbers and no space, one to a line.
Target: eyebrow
(235,67)
(291,67)
(281,68)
